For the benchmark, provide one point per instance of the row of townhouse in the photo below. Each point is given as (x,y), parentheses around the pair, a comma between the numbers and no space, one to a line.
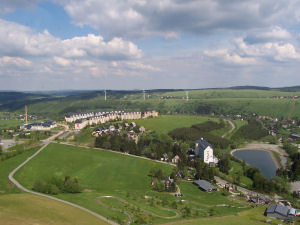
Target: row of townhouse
(105,117)
(47,125)
(70,118)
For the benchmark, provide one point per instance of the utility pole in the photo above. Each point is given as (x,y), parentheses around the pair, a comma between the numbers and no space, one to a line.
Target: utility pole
(187,95)
(26,114)
(105,95)
(144,94)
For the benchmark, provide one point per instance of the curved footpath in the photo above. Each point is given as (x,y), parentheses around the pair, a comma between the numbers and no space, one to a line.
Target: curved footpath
(232,128)
(15,182)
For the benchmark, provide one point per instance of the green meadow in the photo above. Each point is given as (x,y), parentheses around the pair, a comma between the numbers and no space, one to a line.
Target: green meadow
(165,123)
(103,173)
(5,124)
(229,93)
(27,209)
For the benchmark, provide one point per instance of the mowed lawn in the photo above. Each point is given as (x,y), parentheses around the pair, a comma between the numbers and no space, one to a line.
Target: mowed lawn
(99,170)
(27,209)
(165,123)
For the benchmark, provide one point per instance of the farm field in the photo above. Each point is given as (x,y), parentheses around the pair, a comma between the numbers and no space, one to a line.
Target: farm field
(165,123)
(229,93)
(27,209)
(125,179)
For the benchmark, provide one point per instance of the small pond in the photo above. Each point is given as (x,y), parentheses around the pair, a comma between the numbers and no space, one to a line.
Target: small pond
(259,159)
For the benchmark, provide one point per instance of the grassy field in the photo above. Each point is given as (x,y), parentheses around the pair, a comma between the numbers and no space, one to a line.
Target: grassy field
(165,123)
(103,173)
(249,217)
(227,93)
(4,124)
(6,167)
(27,209)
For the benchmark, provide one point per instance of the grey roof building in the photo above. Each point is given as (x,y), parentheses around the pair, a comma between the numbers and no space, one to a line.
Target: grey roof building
(204,185)
(280,212)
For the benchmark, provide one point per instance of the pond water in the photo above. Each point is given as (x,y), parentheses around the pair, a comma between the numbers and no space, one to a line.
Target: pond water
(259,159)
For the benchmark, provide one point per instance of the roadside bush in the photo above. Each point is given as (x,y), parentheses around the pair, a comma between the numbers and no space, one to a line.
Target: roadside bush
(56,185)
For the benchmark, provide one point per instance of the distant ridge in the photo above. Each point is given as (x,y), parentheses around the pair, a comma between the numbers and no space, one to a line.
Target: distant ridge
(250,88)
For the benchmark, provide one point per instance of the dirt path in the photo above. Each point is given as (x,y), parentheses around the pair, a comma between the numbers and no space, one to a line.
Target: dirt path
(15,182)
(231,130)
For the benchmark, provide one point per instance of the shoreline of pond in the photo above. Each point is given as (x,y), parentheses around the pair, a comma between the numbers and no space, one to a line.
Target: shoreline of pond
(271,153)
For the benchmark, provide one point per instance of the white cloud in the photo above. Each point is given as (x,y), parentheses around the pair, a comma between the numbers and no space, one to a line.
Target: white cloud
(11,5)
(14,62)
(242,53)
(275,33)
(224,55)
(169,18)
(16,40)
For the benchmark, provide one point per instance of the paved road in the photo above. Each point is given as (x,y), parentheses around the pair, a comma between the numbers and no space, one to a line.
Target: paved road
(14,181)
(231,130)
(241,189)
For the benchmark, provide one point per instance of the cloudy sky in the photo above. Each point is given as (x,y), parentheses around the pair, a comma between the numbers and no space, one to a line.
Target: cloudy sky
(146,44)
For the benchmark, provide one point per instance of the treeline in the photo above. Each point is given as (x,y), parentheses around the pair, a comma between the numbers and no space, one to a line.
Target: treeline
(261,183)
(204,171)
(294,171)
(252,131)
(150,146)
(56,185)
(201,130)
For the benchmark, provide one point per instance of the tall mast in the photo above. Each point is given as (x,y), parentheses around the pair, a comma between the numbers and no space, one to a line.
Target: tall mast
(26,114)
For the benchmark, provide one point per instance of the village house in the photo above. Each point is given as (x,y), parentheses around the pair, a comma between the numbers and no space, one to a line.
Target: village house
(164,157)
(280,212)
(204,185)
(168,183)
(259,199)
(175,160)
(142,129)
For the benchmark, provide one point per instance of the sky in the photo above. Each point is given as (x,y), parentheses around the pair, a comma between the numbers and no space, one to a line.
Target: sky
(148,44)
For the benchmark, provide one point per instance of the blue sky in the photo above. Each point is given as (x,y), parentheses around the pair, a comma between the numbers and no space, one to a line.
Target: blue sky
(129,44)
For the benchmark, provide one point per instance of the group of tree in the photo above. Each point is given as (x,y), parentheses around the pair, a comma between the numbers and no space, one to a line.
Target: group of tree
(294,170)
(224,163)
(201,130)
(251,131)
(160,182)
(150,146)
(204,171)
(56,185)
(261,183)
(117,143)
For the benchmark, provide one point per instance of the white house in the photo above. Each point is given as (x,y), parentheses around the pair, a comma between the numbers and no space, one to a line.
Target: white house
(204,150)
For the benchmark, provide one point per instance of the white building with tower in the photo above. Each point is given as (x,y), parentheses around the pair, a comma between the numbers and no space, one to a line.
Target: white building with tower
(204,150)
